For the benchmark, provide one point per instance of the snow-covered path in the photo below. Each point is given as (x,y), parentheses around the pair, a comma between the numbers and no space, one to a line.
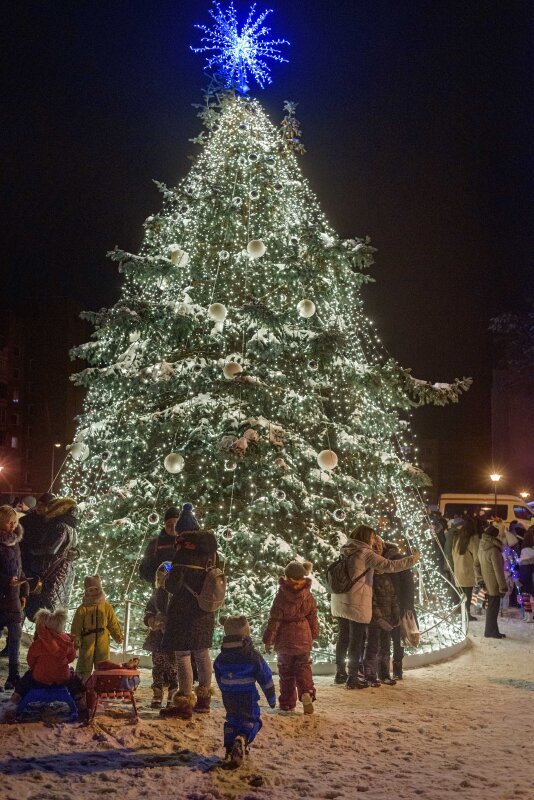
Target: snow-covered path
(456,729)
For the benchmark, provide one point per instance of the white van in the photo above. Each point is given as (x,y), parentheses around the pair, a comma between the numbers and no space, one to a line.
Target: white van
(509,507)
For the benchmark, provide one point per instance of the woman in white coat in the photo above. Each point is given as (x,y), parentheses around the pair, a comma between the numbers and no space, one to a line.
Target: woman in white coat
(465,559)
(355,608)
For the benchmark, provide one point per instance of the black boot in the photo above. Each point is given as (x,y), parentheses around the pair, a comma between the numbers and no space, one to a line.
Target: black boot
(355,682)
(13,677)
(341,675)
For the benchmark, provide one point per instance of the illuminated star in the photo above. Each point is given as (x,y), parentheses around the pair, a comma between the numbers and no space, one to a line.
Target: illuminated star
(237,53)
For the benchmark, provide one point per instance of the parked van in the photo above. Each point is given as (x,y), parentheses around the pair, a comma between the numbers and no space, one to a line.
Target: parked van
(509,507)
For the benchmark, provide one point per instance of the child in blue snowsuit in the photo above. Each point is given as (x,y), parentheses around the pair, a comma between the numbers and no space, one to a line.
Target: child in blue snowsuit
(238,668)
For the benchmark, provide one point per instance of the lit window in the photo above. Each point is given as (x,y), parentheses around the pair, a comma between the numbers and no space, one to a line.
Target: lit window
(14,442)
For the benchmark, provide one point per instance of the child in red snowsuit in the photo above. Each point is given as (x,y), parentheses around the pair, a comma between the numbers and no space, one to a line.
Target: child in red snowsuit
(292,629)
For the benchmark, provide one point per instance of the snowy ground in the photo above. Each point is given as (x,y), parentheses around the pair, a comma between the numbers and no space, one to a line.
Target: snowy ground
(457,729)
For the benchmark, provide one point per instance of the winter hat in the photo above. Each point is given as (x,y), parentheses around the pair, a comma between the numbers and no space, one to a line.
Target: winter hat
(93,592)
(92,582)
(55,620)
(171,513)
(186,520)
(46,498)
(236,626)
(297,571)
(29,501)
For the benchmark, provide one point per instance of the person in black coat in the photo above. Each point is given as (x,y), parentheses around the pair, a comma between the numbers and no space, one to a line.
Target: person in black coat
(161,548)
(163,662)
(189,629)
(50,553)
(13,586)
(404,585)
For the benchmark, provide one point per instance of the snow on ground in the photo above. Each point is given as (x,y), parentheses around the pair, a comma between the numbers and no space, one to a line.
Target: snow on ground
(460,729)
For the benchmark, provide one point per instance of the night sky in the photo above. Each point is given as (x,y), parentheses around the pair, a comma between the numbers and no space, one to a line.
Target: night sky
(417,118)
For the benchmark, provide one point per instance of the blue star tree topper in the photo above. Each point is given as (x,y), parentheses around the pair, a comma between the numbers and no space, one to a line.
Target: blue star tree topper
(239,53)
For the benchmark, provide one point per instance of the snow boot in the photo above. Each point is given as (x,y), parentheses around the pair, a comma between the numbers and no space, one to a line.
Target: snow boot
(356,683)
(12,678)
(202,705)
(182,707)
(389,681)
(157,697)
(237,753)
(341,676)
(307,703)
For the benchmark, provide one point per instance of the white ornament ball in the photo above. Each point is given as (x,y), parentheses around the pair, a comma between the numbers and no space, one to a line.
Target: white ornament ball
(178,256)
(232,369)
(79,451)
(327,459)
(256,248)
(217,312)
(306,308)
(174,463)
(153,518)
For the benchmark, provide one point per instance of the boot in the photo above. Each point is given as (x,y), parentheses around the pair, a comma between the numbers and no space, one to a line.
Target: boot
(182,707)
(397,670)
(355,682)
(341,675)
(202,705)
(307,703)
(237,753)
(157,697)
(389,681)
(13,677)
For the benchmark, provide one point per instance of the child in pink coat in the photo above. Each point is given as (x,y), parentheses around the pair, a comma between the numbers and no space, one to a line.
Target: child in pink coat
(291,630)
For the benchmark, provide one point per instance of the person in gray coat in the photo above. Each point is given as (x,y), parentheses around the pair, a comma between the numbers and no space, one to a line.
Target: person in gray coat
(465,546)
(493,579)
(354,609)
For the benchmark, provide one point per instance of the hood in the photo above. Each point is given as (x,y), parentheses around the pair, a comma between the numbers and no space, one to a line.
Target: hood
(59,507)
(11,539)
(354,546)
(390,551)
(55,644)
(487,542)
(292,591)
(93,600)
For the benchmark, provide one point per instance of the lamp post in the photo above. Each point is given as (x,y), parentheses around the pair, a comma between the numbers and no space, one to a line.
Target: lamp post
(524,495)
(495,478)
(52,474)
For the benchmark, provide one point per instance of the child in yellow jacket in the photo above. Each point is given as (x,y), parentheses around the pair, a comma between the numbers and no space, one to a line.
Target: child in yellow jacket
(94,623)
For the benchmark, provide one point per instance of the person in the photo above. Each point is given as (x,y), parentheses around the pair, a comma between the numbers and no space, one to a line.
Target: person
(465,546)
(93,626)
(385,618)
(161,548)
(49,656)
(164,672)
(291,630)
(27,504)
(493,578)
(238,668)
(189,629)
(525,570)
(50,553)
(455,524)
(13,588)
(354,609)
(404,585)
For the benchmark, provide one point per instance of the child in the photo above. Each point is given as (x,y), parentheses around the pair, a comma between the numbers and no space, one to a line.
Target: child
(13,586)
(385,618)
(49,656)
(164,672)
(292,629)
(93,624)
(238,668)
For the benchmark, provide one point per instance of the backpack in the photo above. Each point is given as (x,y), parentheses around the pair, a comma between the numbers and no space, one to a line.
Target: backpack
(211,596)
(337,576)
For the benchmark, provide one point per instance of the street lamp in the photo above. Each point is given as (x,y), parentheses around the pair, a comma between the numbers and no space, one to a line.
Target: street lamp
(495,477)
(52,474)
(524,495)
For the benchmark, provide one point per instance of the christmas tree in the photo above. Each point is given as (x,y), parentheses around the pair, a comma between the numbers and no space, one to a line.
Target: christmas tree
(238,371)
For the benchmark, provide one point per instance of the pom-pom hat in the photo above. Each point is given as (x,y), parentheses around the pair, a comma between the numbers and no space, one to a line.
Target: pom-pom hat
(187,520)
(297,570)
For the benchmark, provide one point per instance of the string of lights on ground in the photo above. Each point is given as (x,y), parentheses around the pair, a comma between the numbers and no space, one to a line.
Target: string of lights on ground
(239,371)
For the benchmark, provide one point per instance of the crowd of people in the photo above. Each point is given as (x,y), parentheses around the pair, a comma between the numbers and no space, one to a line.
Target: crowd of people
(38,550)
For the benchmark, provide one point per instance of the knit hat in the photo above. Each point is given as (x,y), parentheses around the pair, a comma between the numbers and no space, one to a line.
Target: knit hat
(29,501)
(171,513)
(186,520)
(46,498)
(297,570)
(93,592)
(236,626)
(92,582)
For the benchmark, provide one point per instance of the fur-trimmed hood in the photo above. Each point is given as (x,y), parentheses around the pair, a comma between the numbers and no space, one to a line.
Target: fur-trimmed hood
(59,507)
(13,538)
